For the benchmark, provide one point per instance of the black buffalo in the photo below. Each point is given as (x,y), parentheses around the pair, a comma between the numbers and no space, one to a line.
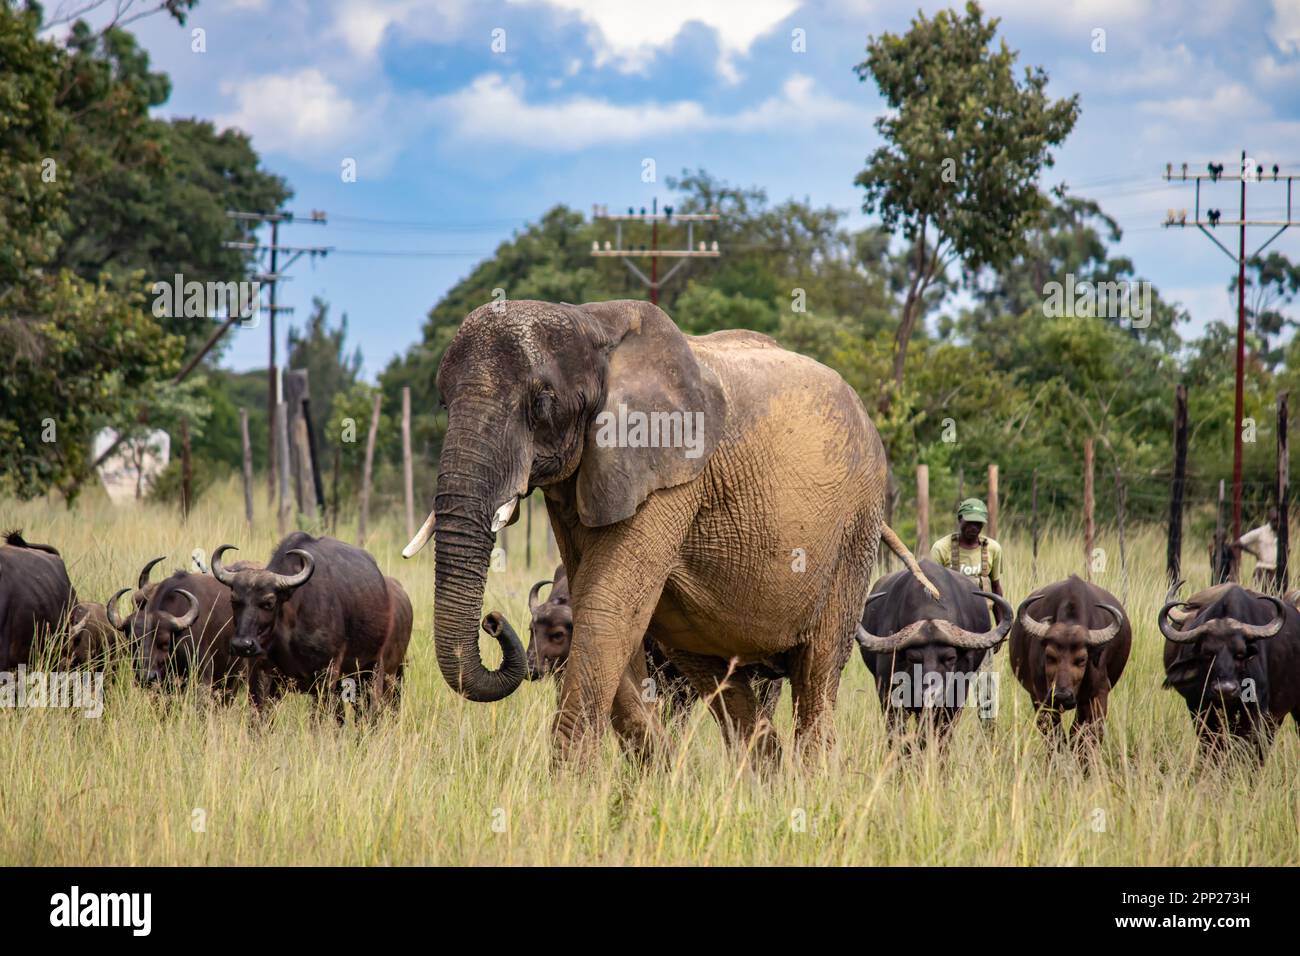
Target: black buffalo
(925,654)
(1069,645)
(91,638)
(320,613)
(550,635)
(181,632)
(1234,657)
(36,598)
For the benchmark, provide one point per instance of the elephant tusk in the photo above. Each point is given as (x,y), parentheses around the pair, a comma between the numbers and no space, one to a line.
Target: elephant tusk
(421,538)
(504,514)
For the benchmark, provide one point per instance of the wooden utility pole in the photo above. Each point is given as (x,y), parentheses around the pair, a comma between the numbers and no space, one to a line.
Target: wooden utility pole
(922,509)
(187,469)
(283,470)
(1174,552)
(1283,496)
(272,279)
(993,501)
(408,473)
(367,471)
(654,253)
(1089,528)
(248,467)
(1249,171)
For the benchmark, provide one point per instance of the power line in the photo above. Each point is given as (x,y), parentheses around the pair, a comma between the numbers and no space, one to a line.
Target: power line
(654,253)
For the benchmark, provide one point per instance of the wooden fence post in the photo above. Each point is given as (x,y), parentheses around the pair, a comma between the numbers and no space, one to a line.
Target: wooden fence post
(1177,487)
(1283,497)
(368,470)
(993,501)
(408,472)
(922,510)
(306,479)
(1089,529)
(248,467)
(187,469)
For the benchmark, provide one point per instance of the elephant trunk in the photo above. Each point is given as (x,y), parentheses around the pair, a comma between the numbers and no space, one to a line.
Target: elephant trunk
(463,548)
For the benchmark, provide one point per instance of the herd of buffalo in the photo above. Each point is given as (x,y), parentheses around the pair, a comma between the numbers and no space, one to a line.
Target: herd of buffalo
(320,617)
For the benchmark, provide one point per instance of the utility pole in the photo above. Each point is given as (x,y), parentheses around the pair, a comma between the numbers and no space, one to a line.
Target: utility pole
(654,253)
(1254,173)
(272,280)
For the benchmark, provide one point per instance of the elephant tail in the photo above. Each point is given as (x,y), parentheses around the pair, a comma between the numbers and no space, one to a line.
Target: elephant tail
(896,545)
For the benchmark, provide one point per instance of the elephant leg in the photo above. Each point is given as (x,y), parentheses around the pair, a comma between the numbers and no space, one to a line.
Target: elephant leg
(733,702)
(635,714)
(815,667)
(614,592)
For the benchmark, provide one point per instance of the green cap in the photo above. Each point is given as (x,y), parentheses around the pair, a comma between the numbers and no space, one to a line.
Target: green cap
(972,509)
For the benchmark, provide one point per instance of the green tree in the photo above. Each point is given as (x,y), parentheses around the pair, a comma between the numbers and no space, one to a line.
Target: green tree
(77,349)
(964,146)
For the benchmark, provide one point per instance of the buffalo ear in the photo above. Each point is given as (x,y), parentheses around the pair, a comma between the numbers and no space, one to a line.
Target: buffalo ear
(650,368)
(1180,673)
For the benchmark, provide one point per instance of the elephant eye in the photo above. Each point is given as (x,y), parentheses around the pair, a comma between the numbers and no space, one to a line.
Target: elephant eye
(539,411)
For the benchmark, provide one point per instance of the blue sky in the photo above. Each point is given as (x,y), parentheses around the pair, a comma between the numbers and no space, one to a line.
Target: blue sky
(456,143)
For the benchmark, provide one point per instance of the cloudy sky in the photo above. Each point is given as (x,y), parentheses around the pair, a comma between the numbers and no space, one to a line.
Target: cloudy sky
(467,119)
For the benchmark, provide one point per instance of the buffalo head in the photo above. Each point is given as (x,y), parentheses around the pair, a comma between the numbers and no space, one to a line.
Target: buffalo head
(1067,642)
(1222,647)
(256,597)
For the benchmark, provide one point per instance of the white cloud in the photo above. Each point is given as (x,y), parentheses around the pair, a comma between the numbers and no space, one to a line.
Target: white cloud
(294,113)
(494,109)
(1285,29)
(363,24)
(628,35)
(1234,100)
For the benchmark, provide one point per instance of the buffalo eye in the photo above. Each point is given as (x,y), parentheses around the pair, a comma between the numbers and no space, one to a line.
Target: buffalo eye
(267,604)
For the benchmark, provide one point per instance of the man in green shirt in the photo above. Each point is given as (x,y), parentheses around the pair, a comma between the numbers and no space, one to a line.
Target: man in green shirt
(969,551)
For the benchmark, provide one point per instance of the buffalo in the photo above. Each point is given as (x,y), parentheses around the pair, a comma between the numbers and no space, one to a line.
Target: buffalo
(550,634)
(1233,655)
(36,598)
(925,653)
(1069,645)
(91,636)
(318,614)
(181,631)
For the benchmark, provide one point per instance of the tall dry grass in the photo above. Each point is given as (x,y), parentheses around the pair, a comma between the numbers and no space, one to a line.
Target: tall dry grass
(187,781)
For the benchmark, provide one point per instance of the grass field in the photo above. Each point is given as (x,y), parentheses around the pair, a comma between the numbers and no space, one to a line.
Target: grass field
(187,781)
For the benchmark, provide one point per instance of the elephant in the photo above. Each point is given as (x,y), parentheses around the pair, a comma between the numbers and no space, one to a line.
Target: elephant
(694,484)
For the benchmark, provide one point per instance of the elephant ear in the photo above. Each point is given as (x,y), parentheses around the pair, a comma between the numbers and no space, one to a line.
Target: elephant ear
(654,387)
